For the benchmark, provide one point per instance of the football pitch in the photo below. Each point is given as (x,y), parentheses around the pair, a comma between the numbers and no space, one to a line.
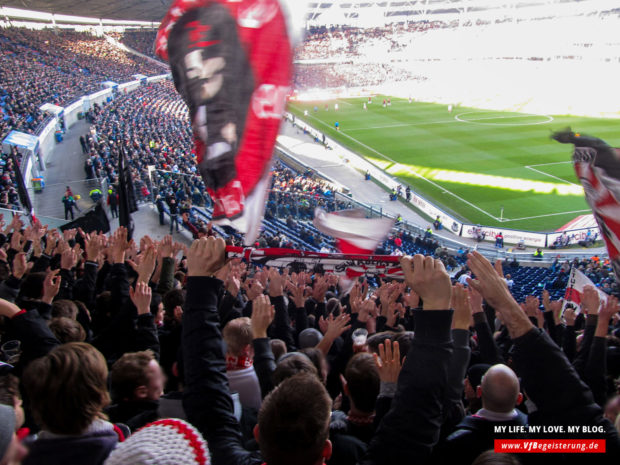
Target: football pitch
(472,163)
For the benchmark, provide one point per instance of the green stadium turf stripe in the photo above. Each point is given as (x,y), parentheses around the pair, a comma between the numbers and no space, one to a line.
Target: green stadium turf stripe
(443,189)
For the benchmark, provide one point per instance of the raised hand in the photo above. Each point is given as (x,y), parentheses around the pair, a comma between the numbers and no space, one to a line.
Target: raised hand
(253,288)
(70,257)
(276,282)
(428,278)
(494,290)
(95,244)
(337,325)
(590,300)
(570,316)
(412,300)
(462,307)
(556,308)
(475,300)
(488,283)
(608,310)
(367,308)
(141,297)
(388,361)
(69,234)
(16,224)
(118,245)
(319,289)
(262,316)
(51,286)
(165,247)
(17,241)
(297,294)
(206,256)
(147,264)
(20,265)
(395,309)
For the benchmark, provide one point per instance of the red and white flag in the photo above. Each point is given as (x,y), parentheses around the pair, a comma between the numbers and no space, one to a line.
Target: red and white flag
(597,166)
(354,233)
(577,281)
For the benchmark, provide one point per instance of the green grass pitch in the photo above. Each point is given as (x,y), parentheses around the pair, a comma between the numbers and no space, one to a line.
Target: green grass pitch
(470,162)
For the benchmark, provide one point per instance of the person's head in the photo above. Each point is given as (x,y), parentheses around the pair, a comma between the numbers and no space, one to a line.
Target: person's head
(318,360)
(67,330)
(309,337)
(67,388)
(490,457)
(293,423)
(499,389)
(473,380)
(291,364)
(333,306)
(612,408)
(157,309)
(361,382)
(238,337)
(64,308)
(278,347)
(163,441)
(137,376)
(10,395)
(174,301)
(11,450)
(32,286)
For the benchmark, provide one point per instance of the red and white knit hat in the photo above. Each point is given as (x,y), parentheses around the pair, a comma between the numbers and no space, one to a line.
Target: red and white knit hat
(164,442)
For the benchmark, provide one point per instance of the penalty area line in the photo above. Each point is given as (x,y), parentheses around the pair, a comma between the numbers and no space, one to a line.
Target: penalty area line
(529,167)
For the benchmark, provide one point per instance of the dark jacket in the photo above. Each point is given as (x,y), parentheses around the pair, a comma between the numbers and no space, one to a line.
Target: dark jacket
(206,398)
(561,398)
(410,430)
(134,414)
(473,436)
(88,449)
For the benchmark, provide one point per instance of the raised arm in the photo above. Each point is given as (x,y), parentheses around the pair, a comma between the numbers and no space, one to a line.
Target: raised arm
(206,397)
(411,428)
(549,379)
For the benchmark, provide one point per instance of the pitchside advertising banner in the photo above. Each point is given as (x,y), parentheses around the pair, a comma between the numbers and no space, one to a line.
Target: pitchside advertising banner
(511,236)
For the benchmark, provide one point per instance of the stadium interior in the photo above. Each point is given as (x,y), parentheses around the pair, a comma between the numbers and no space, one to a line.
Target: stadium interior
(435,114)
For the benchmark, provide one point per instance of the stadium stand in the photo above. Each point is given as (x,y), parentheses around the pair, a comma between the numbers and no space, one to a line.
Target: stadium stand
(141,41)
(148,351)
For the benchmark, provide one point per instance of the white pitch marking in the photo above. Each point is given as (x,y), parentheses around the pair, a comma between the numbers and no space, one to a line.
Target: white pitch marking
(552,176)
(554,163)
(412,172)
(548,214)
(475,120)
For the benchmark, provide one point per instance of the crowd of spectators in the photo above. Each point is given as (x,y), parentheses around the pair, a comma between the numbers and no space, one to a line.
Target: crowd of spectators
(114,351)
(142,41)
(342,42)
(55,66)
(326,76)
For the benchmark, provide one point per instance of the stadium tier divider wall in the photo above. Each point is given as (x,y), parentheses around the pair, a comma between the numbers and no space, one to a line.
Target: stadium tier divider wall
(33,163)
(452,224)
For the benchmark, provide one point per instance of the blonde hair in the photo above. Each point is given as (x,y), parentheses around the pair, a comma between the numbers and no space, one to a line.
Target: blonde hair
(237,334)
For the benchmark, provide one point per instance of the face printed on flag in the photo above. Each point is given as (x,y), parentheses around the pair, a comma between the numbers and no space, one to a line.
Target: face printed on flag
(232,63)
(597,166)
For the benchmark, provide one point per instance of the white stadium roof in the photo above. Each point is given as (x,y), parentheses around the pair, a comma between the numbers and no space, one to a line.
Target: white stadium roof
(334,12)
